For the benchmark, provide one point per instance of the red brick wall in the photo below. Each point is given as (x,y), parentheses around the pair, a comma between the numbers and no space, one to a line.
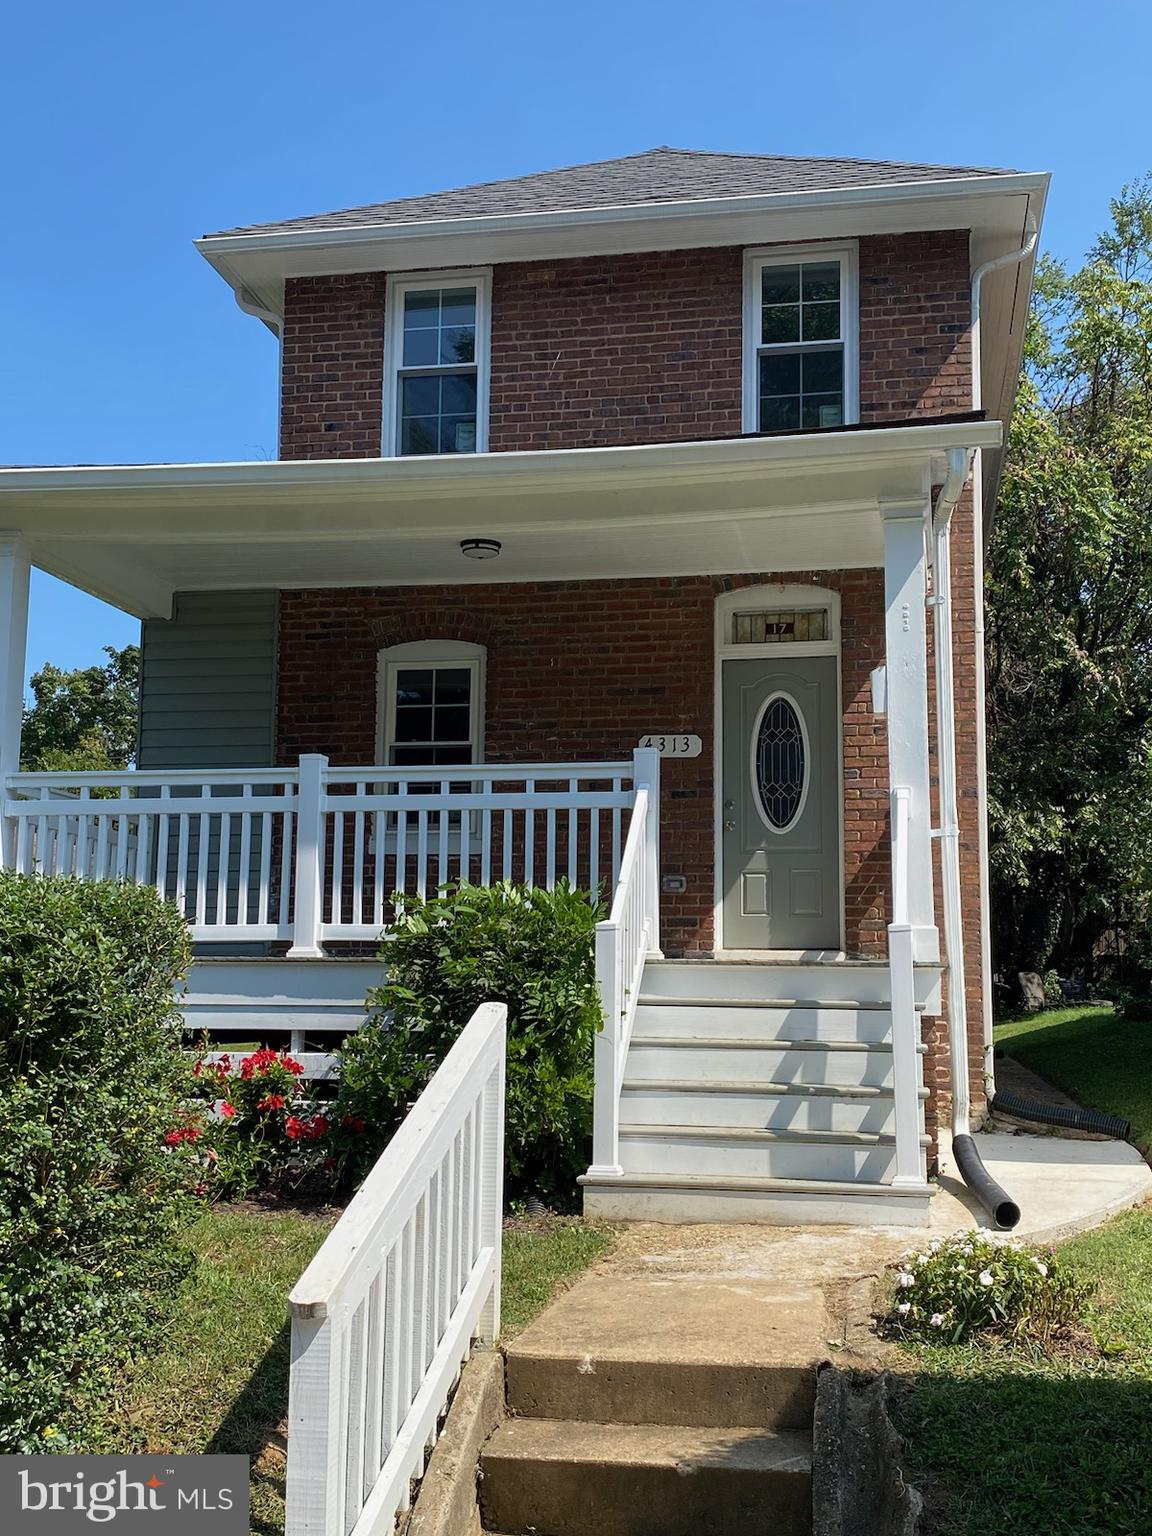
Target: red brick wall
(624,349)
(579,671)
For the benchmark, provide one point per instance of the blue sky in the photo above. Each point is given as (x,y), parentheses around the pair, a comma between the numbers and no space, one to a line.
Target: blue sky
(130,128)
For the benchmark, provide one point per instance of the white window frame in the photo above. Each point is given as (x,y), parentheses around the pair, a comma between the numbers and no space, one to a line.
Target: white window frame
(458,654)
(401,283)
(847,253)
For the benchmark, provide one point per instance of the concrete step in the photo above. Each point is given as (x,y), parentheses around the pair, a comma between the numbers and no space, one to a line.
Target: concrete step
(713,1197)
(760,1106)
(729,1059)
(789,1154)
(761,1019)
(560,1477)
(853,981)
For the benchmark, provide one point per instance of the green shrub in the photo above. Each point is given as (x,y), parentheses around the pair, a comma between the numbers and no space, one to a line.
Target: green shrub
(971,1284)
(91,1197)
(514,944)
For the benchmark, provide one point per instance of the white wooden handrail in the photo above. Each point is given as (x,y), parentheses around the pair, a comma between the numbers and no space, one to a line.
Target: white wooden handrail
(628,938)
(387,1311)
(315,852)
(910,1161)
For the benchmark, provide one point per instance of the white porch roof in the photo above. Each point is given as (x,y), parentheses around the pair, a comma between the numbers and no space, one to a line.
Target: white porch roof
(134,535)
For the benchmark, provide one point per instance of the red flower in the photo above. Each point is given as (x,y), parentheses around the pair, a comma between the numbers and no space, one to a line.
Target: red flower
(227,1110)
(182,1133)
(174,1138)
(197,1069)
(353,1123)
(272,1101)
(294,1127)
(318,1127)
(291,1064)
(329,1164)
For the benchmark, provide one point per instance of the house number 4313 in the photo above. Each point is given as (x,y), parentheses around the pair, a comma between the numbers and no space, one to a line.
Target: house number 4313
(669,745)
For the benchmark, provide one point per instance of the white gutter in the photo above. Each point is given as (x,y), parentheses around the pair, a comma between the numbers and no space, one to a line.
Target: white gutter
(1011,258)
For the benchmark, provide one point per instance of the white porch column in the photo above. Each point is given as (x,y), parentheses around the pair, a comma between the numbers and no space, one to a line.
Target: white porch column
(15,567)
(906,638)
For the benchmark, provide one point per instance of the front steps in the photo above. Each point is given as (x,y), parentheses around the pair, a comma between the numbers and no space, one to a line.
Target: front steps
(760,1091)
(655,1409)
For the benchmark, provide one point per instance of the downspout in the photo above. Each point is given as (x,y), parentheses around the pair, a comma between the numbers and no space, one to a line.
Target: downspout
(1011,258)
(1004,1211)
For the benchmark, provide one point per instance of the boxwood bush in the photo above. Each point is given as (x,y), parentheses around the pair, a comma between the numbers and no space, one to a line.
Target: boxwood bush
(91,1197)
(515,944)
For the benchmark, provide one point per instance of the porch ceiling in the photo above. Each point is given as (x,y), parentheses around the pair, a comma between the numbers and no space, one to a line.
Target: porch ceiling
(135,535)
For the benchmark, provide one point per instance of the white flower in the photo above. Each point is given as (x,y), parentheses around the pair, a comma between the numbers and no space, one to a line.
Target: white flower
(922,1258)
(986,1278)
(904,1279)
(967,1250)
(904,1307)
(1041,1268)
(937,1319)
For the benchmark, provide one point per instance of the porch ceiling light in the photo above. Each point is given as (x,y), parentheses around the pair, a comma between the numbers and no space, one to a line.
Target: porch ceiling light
(480,549)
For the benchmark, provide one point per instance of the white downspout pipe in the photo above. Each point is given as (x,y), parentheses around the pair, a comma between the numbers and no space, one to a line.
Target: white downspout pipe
(1011,258)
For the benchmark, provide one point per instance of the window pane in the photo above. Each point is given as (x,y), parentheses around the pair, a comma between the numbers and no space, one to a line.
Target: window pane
(780,373)
(780,413)
(421,348)
(823,411)
(453,685)
(458,306)
(422,308)
(823,371)
(414,687)
(780,285)
(457,434)
(821,281)
(413,722)
(781,323)
(452,723)
(419,434)
(458,395)
(420,396)
(821,322)
(458,345)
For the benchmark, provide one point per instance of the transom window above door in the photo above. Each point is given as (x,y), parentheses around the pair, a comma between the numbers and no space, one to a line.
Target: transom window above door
(800,349)
(436,364)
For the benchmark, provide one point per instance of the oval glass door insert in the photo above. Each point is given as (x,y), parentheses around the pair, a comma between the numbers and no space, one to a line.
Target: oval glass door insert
(780,763)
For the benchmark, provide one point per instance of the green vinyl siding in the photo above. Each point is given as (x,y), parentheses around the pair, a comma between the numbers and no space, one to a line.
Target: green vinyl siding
(208,682)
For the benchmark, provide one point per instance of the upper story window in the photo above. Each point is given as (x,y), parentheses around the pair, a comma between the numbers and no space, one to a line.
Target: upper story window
(436,363)
(801,356)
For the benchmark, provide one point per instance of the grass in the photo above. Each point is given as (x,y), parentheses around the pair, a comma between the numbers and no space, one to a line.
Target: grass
(1026,1444)
(219,1379)
(1103,1061)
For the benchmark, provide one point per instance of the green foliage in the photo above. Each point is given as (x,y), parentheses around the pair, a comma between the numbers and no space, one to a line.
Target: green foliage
(529,948)
(86,718)
(91,1198)
(249,1125)
(1070,611)
(969,1284)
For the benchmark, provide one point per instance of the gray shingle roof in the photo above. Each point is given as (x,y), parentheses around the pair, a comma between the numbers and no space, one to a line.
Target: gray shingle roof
(656,176)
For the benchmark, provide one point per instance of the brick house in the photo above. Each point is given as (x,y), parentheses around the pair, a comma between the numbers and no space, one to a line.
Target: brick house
(646,496)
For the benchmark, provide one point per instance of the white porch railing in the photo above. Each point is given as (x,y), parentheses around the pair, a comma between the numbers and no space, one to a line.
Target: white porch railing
(911,1166)
(314,853)
(624,942)
(386,1312)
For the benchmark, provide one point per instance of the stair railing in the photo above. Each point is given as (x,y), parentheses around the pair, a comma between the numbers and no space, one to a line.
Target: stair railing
(628,938)
(910,1165)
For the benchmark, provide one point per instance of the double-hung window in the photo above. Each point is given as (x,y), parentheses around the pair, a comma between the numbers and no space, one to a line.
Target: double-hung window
(436,363)
(800,338)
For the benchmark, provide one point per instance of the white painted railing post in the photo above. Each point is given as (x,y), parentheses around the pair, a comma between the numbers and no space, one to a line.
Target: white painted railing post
(492,1196)
(309,858)
(314,1481)
(910,1163)
(646,775)
(606,1057)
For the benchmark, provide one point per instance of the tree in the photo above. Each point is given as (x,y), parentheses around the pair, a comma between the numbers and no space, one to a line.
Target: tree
(1070,611)
(86,718)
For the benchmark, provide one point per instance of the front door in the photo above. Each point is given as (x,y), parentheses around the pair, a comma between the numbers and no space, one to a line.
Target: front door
(780,827)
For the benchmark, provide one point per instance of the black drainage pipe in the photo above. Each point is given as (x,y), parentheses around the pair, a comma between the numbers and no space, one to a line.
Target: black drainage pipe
(1003,1211)
(1070,1116)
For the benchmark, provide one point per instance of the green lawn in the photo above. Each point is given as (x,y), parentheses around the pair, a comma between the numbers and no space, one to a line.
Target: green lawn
(1027,1445)
(219,1379)
(1104,1062)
